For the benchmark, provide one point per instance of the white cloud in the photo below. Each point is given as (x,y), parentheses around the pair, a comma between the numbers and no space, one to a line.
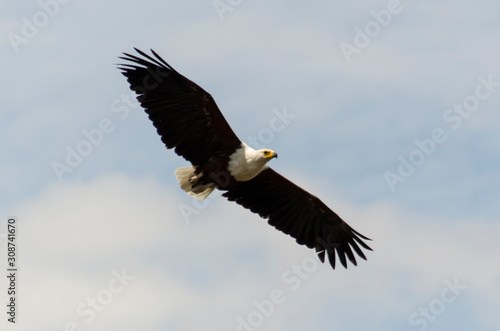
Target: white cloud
(210,272)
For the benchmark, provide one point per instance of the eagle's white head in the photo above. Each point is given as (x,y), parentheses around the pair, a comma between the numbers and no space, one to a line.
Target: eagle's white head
(260,157)
(246,163)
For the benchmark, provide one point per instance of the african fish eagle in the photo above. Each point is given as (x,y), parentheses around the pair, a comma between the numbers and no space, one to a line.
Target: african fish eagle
(187,119)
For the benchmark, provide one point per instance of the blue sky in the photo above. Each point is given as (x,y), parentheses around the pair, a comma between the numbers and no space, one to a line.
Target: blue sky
(392,121)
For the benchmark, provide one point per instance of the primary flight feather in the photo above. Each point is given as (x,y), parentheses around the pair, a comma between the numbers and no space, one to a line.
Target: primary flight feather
(188,120)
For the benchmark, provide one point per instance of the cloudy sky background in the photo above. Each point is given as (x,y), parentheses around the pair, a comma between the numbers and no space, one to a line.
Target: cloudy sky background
(191,265)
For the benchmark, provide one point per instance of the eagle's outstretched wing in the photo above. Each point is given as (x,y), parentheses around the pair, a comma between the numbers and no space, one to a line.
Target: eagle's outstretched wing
(185,116)
(299,214)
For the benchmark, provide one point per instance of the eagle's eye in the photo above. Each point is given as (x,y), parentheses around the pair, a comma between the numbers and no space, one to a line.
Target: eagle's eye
(266,153)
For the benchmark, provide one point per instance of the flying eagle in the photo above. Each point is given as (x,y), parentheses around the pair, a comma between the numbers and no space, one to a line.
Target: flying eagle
(187,119)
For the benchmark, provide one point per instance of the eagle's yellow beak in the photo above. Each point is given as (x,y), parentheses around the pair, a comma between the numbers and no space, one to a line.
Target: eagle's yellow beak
(272,155)
(269,154)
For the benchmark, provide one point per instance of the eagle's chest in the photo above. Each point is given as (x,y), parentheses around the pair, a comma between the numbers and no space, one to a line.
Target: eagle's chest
(245,163)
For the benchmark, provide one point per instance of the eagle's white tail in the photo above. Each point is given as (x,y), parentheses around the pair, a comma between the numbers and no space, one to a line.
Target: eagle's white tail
(184,177)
